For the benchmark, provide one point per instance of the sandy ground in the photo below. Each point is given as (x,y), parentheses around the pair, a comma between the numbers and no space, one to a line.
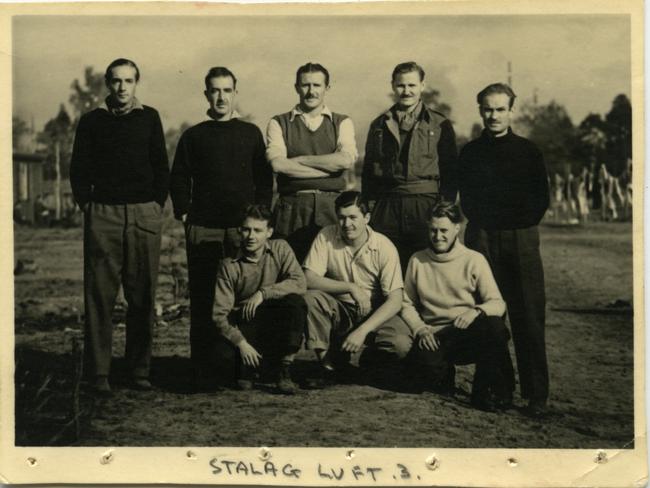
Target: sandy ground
(590,360)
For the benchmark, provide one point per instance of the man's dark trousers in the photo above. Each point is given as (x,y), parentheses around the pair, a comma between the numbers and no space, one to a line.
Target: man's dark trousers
(403,219)
(516,262)
(277,330)
(121,246)
(205,247)
(484,342)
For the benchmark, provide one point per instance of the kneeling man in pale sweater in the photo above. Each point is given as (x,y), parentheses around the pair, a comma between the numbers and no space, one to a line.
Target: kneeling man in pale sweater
(455,310)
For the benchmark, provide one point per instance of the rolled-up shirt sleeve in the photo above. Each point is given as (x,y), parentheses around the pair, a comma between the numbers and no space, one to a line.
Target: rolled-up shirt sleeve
(275,146)
(391,271)
(347,143)
(318,255)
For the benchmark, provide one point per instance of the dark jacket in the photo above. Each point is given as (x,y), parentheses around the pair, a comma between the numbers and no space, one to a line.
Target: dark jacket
(432,157)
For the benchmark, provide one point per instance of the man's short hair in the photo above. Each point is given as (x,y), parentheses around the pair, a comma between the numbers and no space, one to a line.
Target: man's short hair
(313,68)
(217,72)
(108,75)
(496,88)
(445,208)
(349,198)
(258,211)
(407,67)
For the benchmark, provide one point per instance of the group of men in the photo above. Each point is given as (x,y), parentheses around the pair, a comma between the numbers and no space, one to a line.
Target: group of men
(346,272)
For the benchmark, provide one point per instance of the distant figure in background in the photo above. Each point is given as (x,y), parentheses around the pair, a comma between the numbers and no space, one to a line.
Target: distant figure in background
(120,179)
(571,188)
(310,148)
(626,183)
(582,189)
(558,204)
(504,195)
(219,167)
(259,314)
(611,194)
(410,162)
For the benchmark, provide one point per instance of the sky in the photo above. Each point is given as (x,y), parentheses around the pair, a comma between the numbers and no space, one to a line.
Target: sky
(581,61)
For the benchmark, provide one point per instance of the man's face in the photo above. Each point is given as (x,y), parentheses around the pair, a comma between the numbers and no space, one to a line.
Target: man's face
(408,88)
(122,84)
(496,113)
(220,92)
(254,234)
(311,90)
(352,222)
(442,233)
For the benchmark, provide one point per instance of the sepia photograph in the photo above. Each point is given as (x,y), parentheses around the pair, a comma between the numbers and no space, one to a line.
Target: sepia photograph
(362,228)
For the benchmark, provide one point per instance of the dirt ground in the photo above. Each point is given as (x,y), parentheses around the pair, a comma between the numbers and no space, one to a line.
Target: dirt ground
(589,348)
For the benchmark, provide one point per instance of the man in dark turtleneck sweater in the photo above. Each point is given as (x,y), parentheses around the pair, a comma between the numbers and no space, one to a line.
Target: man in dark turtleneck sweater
(504,195)
(219,168)
(119,176)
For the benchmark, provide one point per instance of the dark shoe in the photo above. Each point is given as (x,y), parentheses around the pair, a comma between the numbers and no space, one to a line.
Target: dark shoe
(325,377)
(244,384)
(536,409)
(484,403)
(246,378)
(285,385)
(503,402)
(141,384)
(101,387)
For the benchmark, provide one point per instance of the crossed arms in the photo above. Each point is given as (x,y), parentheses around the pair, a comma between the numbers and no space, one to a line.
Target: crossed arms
(314,166)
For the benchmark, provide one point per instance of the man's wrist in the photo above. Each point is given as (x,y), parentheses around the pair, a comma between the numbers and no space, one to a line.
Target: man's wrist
(262,294)
(479,312)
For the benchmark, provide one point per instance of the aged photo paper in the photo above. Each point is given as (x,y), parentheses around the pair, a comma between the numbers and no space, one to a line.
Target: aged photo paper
(578,74)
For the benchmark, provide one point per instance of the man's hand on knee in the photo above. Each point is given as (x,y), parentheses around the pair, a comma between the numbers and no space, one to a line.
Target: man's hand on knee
(250,305)
(427,340)
(465,319)
(354,341)
(249,355)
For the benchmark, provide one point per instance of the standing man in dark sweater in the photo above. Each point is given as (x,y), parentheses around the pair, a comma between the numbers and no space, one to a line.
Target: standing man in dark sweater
(219,168)
(504,195)
(410,162)
(120,176)
(309,148)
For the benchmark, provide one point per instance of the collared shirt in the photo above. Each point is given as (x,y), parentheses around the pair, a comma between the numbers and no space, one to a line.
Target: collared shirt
(276,274)
(276,147)
(374,267)
(135,105)
(406,119)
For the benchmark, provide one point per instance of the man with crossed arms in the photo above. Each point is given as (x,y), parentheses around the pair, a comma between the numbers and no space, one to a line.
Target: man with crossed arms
(310,148)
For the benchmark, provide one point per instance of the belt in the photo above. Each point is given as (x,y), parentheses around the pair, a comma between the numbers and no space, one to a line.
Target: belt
(312,192)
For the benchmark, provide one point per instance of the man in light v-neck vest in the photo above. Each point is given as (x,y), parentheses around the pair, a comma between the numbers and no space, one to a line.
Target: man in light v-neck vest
(310,148)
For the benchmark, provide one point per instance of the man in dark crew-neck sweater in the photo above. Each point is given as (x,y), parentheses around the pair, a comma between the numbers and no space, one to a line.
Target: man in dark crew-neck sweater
(504,195)
(219,168)
(119,176)
(309,148)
